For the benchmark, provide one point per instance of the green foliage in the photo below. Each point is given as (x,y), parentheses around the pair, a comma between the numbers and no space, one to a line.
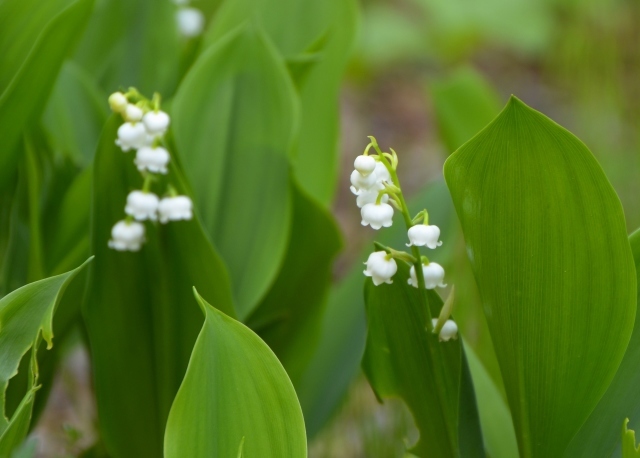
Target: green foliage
(236,398)
(629,448)
(545,234)
(26,317)
(139,317)
(235,117)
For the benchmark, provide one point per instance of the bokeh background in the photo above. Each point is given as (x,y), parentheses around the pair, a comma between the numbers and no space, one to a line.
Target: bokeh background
(424,76)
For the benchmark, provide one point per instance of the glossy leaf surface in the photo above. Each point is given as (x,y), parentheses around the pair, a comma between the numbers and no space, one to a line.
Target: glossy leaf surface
(236,398)
(546,236)
(234,122)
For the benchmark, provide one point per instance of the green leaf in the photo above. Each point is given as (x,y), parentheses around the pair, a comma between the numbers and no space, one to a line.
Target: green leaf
(599,435)
(464,104)
(24,98)
(629,448)
(235,399)
(234,124)
(26,316)
(403,359)
(289,318)
(545,234)
(495,418)
(75,114)
(140,324)
(342,340)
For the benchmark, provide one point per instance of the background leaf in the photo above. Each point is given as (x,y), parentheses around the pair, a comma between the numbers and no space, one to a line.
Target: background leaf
(235,392)
(546,236)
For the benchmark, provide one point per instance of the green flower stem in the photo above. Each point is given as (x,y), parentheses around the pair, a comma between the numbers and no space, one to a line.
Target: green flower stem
(148,179)
(401,255)
(417,264)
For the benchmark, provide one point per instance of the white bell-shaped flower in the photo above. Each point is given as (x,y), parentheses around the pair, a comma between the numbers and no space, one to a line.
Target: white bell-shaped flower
(382,174)
(133,113)
(361,183)
(369,197)
(364,164)
(154,160)
(421,235)
(377,215)
(449,330)
(380,268)
(433,276)
(156,123)
(190,22)
(142,205)
(175,208)
(127,236)
(118,102)
(131,136)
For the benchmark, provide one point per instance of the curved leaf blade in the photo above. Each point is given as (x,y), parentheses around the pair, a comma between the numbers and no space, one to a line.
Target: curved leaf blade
(546,236)
(236,398)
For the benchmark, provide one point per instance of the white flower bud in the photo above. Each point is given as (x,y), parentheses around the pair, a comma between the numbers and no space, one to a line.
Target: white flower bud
(175,208)
(127,236)
(190,22)
(133,113)
(382,174)
(380,269)
(142,205)
(364,164)
(154,160)
(421,235)
(131,136)
(369,197)
(433,276)
(377,216)
(361,183)
(156,123)
(449,330)
(118,102)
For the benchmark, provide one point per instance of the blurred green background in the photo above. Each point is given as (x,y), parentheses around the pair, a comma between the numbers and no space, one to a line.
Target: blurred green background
(423,77)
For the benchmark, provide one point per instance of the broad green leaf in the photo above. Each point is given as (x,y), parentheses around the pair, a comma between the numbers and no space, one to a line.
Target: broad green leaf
(25,96)
(495,418)
(403,359)
(132,43)
(629,448)
(75,114)
(236,398)
(290,316)
(234,124)
(26,316)
(138,315)
(600,434)
(343,330)
(545,234)
(464,104)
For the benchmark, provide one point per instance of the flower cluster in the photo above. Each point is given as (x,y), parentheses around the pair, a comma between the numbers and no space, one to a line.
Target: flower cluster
(375,183)
(190,20)
(143,131)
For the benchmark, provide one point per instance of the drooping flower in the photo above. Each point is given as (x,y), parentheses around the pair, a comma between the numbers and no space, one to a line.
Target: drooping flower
(364,164)
(433,276)
(131,136)
(175,208)
(361,183)
(154,160)
(142,205)
(421,235)
(369,197)
(449,330)
(382,174)
(380,267)
(377,215)
(133,113)
(190,22)
(127,236)
(118,102)
(156,123)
